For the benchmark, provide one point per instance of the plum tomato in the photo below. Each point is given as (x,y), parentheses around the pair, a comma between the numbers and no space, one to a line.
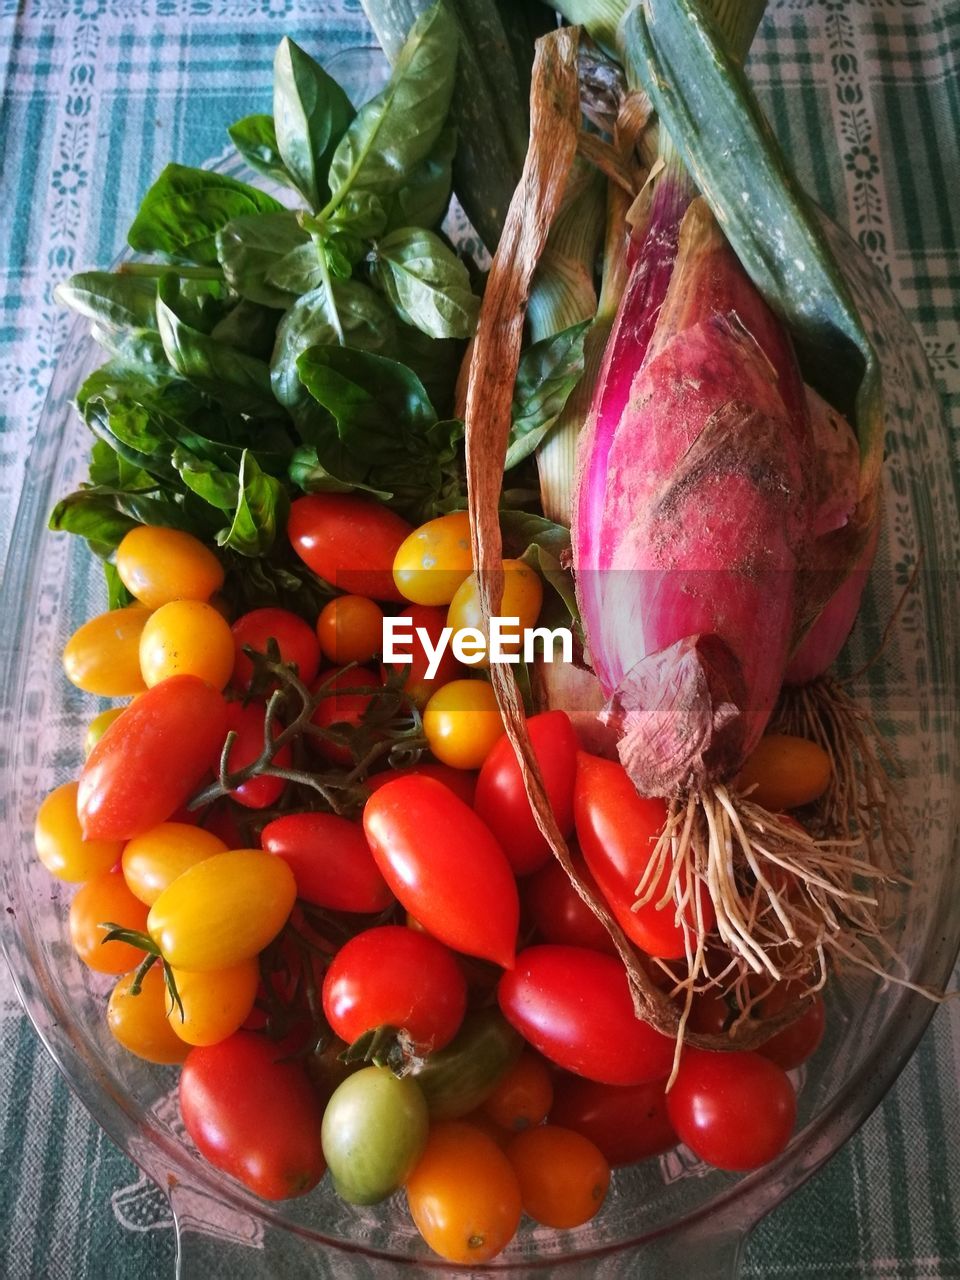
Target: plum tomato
(247,722)
(557,911)
(734,1110)
(60,844)
(462,722)
(158,565)
(103,656)
(785,771)
(417,686)
(523,1095)
(139,1022)
(106,900)
(213,1005)
(295,640)
(154,860)
(445,867)
(627,1122)
(433,561)
(254,1115)
(222,910)
(186,638)
(617,830)
(574,1006)
(502,800)
(463,1195)
(374,1131)
(350,542)
(149,761)
(522,599)
(462,782)
(341,709)
(394,976)
(350,629)
(330,860)
(563,1176)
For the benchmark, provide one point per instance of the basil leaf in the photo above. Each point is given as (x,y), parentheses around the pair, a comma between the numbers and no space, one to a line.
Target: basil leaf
(140,349)
(362,213)
(220,489)
(298,271)
(308,473)
(110,298)
(379,405)
(435,361)
(399,128)
(249,328)
(118,597)
(427,283)
(93,517)
(256,139)
(549,370)
(251,248)
(310,114)
(185,208)
(261,509)
(366,321)
(423,199)
(235,380)
(543,545)
(109,470)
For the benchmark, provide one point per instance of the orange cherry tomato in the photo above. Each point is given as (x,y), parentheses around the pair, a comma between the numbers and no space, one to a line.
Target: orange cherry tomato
(563,1177)
(350,629)
(158,565)
(60,843)
(464,1195)
(106,900)
(154,860)
(139,1022)
(103,656)
(523,1096)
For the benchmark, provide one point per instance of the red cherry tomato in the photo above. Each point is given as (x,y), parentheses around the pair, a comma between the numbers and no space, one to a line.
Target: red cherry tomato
(394,976)
(574,1005)
(295,639)
(432,621)
(341,709)
(462,782)
(736,1111)
(253,1115)
(617,830)
(627,1122)
(330,860)
(502,801)
(220,819)
(800,1040)
(151,759)
(444,867)
(349,542)
(558,912)
(247,723)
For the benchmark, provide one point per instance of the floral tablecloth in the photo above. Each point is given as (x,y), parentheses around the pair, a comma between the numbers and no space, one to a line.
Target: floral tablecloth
(96,96)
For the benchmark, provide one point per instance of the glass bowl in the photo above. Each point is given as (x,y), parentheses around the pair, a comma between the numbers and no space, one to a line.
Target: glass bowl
(667,1213)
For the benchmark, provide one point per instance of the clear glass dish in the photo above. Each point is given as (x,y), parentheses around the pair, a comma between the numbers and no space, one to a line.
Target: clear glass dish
(657,1214)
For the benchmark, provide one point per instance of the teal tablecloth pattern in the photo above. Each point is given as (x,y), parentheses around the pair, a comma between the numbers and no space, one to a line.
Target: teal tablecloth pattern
(96,96)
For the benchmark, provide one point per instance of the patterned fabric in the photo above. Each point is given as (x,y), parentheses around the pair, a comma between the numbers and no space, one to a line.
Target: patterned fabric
(96,96)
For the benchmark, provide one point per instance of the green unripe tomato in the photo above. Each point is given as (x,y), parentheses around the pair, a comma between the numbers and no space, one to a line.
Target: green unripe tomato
(374,1131)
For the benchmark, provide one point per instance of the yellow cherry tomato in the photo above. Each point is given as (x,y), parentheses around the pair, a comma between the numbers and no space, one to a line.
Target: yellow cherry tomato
(106,900)
(99,725)
(350,629)
(103,656)
(223,910)
(154,860)
(139,1022)
(215,1004)
(462,722)
(187,638)
(787,772)
(522,598)
(159,565)
(60,843)
(433,561)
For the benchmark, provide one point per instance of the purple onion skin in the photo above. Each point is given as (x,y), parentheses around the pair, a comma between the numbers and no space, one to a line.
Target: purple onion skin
(692,514)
